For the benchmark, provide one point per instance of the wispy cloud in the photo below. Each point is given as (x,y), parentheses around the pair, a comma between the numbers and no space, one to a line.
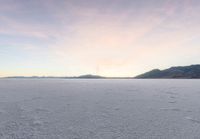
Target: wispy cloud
(108,37)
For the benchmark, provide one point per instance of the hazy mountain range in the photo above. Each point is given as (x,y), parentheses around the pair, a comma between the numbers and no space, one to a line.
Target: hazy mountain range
(180,72)
(87,76)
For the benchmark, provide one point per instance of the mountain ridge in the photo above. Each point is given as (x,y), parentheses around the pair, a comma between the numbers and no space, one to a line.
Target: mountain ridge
(178,72)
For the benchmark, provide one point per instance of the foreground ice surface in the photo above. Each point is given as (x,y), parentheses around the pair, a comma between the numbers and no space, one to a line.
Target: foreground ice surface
(99,109)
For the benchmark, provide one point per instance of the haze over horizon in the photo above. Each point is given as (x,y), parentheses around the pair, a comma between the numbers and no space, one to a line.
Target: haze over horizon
(114,38)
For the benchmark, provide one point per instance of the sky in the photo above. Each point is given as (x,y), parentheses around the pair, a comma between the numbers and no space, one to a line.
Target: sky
(115,38)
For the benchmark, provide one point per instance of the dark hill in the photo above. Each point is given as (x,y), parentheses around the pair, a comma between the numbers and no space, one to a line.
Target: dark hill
(181,72)
(90,76)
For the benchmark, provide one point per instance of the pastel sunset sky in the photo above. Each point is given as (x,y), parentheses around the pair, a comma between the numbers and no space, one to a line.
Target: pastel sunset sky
(104,37)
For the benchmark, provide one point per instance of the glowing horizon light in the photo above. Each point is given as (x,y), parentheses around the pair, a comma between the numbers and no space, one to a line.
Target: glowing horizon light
(114,38)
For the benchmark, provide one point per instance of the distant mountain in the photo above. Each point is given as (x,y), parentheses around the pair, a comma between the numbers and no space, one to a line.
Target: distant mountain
(182,72)
(87,76)
(90,76)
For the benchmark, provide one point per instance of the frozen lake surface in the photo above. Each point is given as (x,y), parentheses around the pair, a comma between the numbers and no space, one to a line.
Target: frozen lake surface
(99,109)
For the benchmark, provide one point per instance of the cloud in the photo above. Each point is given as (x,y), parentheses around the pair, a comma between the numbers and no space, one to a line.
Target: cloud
(110,37)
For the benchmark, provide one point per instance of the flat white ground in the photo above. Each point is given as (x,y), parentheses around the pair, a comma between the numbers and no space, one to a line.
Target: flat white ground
(99,109)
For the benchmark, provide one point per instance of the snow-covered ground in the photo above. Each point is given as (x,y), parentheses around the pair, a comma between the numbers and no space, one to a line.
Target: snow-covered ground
(99,109)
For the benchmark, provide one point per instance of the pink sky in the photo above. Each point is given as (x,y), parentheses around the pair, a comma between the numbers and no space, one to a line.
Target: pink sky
(104,37)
